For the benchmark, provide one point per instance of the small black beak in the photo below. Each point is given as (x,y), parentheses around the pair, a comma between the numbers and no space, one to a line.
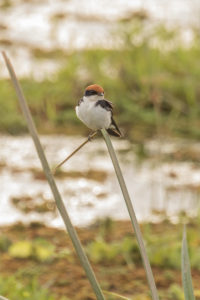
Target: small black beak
(100,94)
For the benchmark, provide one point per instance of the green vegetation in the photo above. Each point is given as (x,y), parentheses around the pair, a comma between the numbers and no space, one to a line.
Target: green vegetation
(115,257)
(15,289)
(152,78)
(163,249)
(126,251)
(38,249)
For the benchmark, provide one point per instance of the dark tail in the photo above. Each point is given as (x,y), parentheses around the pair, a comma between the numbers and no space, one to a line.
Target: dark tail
(114,130)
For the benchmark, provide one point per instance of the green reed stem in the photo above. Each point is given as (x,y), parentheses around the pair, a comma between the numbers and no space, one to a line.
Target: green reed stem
(59,202)
(186,269)
(134,221)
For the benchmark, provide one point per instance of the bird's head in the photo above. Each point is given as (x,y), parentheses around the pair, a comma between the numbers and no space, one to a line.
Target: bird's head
(94,90)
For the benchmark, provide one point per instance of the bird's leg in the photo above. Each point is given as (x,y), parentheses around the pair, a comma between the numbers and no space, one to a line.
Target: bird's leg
(91,135)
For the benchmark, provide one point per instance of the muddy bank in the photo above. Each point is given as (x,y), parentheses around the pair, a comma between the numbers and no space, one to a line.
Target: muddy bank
(113,252)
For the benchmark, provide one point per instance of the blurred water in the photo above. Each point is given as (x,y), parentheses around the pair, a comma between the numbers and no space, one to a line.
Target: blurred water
(80,24)
(87,200)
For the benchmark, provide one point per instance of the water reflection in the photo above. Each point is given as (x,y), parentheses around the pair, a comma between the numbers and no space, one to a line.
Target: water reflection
(88,184)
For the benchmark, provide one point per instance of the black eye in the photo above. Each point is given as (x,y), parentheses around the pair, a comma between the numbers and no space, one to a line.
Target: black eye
(90,93)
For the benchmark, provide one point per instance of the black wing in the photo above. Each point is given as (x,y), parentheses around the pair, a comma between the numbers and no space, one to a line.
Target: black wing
(105,104)
(113,129)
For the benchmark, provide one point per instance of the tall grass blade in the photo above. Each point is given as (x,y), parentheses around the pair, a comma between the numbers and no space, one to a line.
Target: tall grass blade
(59,202)
(115,296)
(186,271)
(135,224)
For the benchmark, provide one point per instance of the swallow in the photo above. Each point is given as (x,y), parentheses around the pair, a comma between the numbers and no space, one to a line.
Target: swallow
(96,112)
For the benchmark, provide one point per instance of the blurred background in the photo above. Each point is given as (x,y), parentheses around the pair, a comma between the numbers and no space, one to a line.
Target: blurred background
(146,56)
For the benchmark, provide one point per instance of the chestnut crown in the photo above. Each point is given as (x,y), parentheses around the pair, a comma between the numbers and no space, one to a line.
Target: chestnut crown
(94,89)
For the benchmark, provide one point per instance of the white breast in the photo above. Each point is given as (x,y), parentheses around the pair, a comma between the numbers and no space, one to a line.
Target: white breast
(94,117)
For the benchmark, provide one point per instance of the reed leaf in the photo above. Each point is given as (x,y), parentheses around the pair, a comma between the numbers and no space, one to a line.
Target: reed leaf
(59,202)
(115,296)
(185,268)
(132,215)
